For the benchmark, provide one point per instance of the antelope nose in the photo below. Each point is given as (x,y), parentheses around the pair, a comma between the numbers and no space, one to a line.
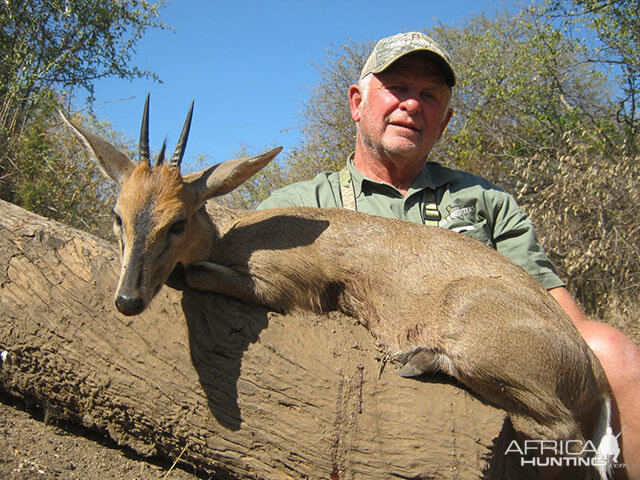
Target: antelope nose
(129,305)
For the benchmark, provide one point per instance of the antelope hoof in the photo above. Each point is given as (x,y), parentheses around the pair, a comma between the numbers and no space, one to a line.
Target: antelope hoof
(417,362)
(409,370)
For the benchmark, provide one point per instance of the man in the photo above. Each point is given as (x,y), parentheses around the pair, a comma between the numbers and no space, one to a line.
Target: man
(401,107)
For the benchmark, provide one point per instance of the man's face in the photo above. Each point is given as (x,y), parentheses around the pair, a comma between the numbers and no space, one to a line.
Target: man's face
(405,110)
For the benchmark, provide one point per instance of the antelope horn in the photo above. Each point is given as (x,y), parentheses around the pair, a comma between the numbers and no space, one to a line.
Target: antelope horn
(144,134)
(161,154)
(176,160)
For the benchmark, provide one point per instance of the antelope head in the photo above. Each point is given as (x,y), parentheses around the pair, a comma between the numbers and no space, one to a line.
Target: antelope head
(155,213)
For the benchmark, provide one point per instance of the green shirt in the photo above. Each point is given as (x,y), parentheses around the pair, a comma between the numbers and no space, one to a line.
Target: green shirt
(467,204)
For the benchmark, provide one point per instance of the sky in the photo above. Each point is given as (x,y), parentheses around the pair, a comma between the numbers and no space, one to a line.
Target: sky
(249,64)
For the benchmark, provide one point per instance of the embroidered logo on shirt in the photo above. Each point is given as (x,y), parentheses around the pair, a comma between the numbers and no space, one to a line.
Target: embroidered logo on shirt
(457,212)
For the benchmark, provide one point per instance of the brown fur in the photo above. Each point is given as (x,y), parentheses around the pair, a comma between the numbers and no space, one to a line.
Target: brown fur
(161,184)
(487,322)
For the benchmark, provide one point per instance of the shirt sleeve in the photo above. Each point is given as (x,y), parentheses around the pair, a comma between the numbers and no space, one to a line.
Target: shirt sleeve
(280,198)
(514,237)
(323,191)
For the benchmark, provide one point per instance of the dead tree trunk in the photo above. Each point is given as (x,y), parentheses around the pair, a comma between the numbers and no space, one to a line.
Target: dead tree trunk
(249,393)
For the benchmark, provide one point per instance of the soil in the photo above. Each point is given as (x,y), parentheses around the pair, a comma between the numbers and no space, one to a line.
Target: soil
(31,448)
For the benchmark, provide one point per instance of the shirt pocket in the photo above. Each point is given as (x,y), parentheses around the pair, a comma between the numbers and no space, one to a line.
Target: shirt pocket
(478,231)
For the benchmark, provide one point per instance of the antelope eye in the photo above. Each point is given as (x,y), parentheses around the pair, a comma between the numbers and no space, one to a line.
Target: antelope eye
(117,219)
(178,227)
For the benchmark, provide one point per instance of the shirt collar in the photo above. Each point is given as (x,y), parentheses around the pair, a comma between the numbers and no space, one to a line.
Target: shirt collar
(433,175)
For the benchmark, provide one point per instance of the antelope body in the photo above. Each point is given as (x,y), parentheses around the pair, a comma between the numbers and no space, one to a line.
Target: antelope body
(432,298)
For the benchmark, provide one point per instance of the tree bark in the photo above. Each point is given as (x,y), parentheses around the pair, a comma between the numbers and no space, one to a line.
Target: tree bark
(247,393)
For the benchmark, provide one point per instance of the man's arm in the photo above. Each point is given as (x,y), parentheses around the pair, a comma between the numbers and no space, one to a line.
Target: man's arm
(322,191)
(568,304)
(515,238)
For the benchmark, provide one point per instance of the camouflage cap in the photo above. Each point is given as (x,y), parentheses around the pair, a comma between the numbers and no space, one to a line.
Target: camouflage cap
(390,49)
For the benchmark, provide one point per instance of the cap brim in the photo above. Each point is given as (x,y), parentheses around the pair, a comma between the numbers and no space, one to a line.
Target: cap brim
(439,60)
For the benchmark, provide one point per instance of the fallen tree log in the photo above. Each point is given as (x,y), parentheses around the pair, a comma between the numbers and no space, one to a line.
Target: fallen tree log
(238,390)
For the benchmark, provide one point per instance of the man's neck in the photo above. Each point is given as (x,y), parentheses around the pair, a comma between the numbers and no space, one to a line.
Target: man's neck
(399,174)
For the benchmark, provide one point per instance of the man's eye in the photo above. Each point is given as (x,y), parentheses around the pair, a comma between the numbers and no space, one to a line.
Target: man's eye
(396,88)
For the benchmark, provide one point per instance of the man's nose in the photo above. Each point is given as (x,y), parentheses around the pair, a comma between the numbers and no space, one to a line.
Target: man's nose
(410,104)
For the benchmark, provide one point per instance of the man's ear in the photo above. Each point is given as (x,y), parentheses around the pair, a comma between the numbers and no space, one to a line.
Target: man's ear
(355,101)
(445,122)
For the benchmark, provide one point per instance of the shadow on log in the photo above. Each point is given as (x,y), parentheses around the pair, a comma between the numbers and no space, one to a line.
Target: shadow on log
(247,393)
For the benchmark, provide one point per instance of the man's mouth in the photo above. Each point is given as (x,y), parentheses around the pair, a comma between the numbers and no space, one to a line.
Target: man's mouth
(408,126)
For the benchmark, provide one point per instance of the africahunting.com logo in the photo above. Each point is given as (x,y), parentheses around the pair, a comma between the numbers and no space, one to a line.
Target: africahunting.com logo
(569,453)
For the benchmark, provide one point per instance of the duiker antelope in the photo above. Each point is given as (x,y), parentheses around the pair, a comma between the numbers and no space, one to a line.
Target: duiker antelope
(432,298)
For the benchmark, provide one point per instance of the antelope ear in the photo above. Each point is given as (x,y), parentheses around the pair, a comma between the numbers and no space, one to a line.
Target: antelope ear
(225,177)
(112,162)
